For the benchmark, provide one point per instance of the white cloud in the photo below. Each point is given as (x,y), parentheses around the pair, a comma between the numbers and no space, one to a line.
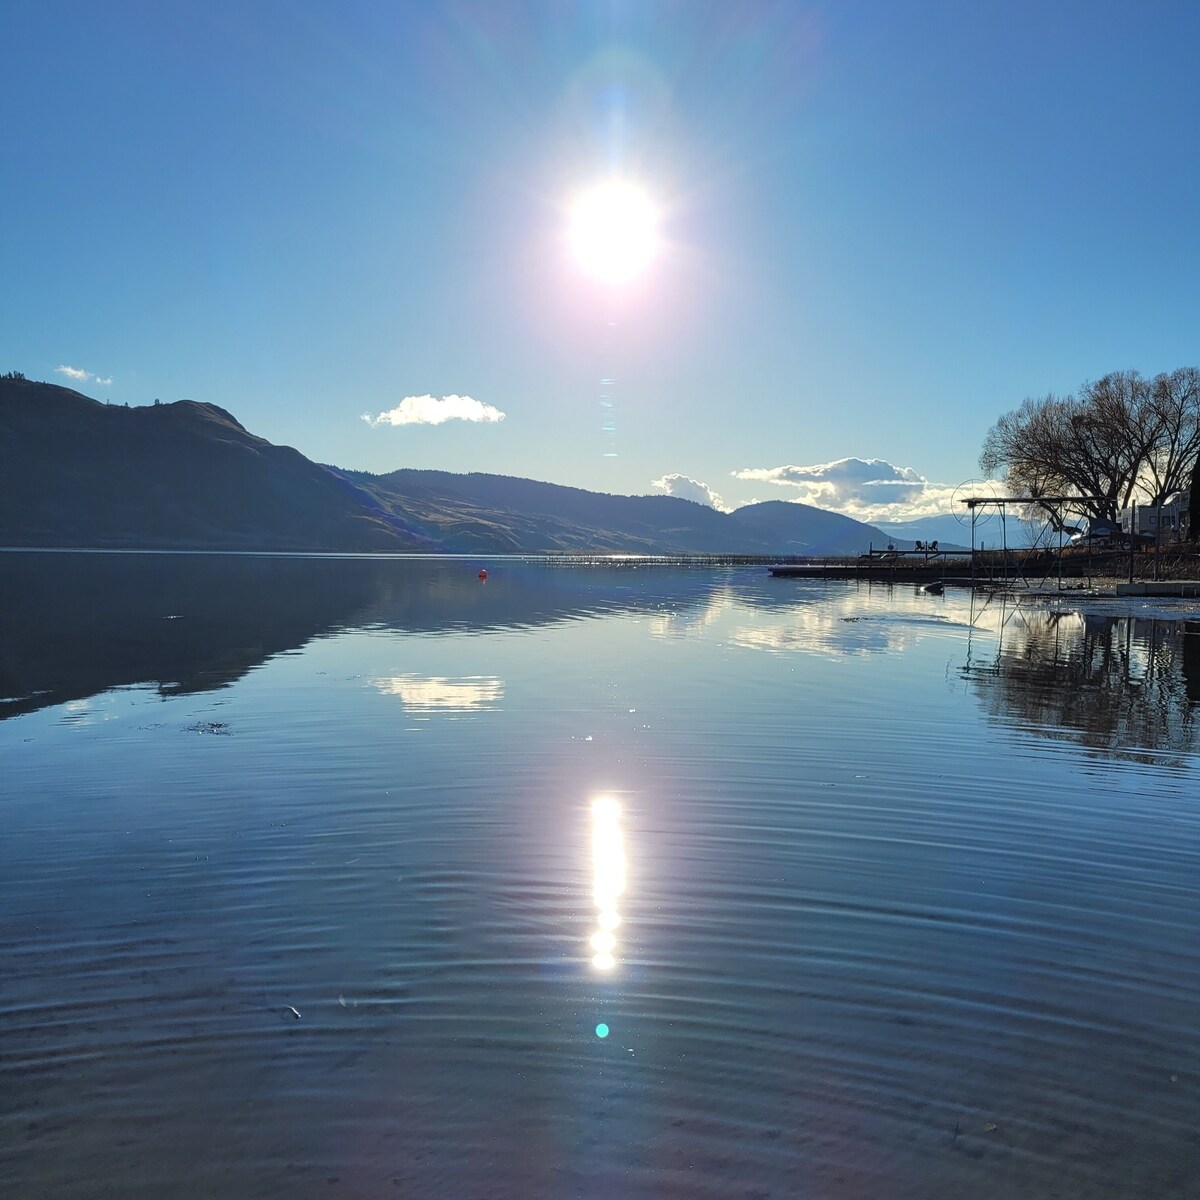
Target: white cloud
(687,488)
(429,410)
(79,375)
(857,480)
(869,489)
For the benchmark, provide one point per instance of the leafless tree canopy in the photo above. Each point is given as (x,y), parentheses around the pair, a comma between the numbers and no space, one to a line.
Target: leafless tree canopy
(1120,438)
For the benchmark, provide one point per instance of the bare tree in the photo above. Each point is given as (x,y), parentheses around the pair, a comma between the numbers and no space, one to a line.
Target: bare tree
(1175,410)
(1113,435)
(1120,437)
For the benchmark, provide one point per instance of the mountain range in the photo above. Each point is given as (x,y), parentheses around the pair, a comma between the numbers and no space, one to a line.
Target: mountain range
(75,472)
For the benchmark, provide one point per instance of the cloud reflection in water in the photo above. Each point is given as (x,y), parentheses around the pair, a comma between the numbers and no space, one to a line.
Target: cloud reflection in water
(832,623)
(828,633)
(688,622)
(436,693)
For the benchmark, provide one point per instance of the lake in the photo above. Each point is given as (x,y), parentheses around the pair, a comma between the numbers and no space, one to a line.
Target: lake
(351,877)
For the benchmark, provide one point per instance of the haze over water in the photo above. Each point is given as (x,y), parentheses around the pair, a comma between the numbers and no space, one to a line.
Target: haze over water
(303,862)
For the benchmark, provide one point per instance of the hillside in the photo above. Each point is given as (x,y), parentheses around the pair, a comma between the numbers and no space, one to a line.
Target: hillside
(76,472)
(790,528)
(498,513)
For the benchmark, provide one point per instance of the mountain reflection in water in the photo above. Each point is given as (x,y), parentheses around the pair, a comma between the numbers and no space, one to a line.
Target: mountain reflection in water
(1117,684)
(76,624)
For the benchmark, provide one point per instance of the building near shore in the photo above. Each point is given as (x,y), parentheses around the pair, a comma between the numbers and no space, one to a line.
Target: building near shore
(1166,522)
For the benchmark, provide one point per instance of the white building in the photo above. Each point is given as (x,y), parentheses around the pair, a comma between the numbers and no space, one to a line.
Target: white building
(1166,522)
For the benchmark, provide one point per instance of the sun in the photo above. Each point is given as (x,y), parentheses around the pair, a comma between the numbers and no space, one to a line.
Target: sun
(613,231)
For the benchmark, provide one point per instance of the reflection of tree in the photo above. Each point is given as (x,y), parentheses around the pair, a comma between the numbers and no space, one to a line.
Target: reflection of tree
(1119,685)
(1190,661)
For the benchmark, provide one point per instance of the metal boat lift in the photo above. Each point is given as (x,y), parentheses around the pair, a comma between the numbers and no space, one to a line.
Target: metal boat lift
(1055,505)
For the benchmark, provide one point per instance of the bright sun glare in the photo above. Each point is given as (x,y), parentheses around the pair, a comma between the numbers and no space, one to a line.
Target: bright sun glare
(614,231)
(608,864)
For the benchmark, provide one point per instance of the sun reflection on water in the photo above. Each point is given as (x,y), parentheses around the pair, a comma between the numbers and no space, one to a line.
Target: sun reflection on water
(608,879)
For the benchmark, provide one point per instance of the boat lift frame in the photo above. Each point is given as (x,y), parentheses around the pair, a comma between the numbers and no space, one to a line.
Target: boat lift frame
(1055,505)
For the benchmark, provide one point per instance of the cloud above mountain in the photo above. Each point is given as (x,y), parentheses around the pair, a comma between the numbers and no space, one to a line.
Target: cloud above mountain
(432,410)
(79,375)
(870,489)
(687,488)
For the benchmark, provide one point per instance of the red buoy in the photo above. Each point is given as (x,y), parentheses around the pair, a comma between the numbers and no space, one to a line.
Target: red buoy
(483,573)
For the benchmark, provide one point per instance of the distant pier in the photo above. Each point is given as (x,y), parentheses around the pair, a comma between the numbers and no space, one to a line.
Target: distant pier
(992,568)
(892,566)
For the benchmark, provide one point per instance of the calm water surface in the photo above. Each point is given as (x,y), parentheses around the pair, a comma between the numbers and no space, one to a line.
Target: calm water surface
(350,878)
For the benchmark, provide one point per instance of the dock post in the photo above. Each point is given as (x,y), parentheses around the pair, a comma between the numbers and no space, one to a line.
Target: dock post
(1132,536)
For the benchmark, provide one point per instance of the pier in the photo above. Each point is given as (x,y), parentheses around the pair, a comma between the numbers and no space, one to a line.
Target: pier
(891,566)
(1020,568)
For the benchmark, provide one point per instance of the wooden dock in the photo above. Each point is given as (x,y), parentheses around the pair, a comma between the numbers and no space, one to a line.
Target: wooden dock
(891,566)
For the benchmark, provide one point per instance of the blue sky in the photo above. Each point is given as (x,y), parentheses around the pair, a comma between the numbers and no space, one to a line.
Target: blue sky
(883,225)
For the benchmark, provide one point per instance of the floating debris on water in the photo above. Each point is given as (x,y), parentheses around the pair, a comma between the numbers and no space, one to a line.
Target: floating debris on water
(217,727)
